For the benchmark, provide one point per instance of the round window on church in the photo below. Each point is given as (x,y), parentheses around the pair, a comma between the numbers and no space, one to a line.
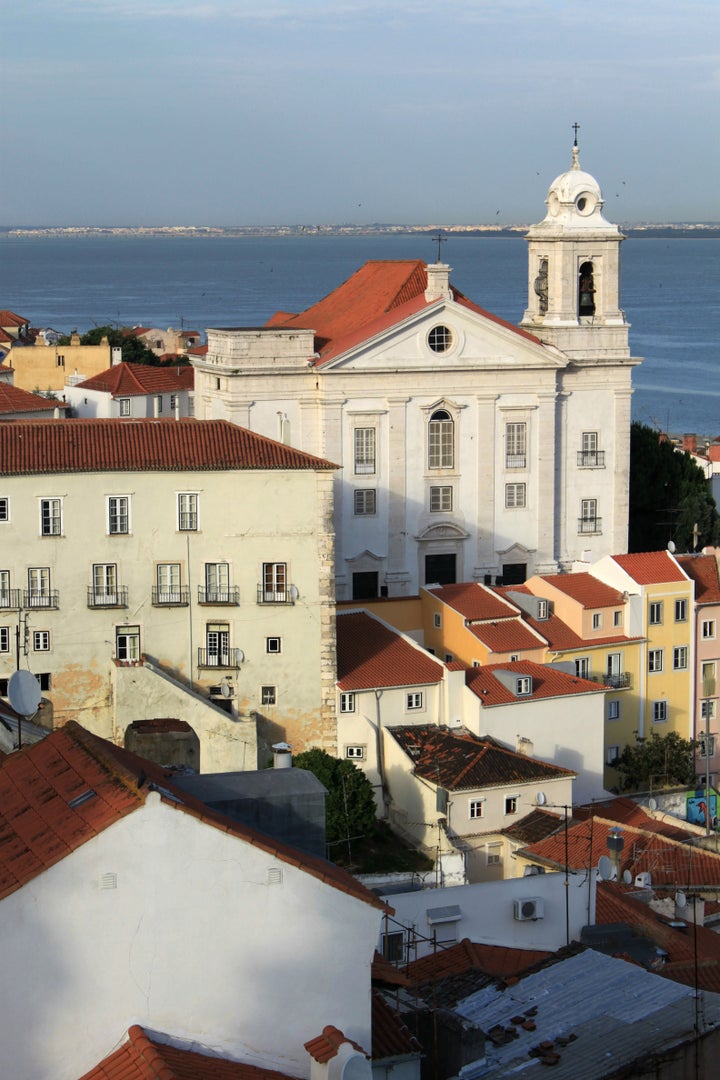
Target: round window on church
(585,203)
(440,339)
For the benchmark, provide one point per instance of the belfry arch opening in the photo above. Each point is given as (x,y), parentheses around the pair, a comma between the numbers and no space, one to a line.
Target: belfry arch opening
(586,289)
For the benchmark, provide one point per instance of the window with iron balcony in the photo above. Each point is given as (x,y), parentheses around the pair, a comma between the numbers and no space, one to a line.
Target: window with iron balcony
(590,457)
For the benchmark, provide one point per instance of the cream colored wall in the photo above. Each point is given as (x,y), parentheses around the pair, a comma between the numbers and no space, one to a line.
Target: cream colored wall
(45,367)
(238,524)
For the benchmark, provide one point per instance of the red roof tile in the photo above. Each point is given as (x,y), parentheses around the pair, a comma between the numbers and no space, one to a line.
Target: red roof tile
(496,960)
(144,1058)
(534,826)
(325,1047)
(547,682)
(475,602)
(462,762)
(703,569)
(624,811)
(586,589)
(390,1036)
(370,654)
(15,400)
(507,635)
(131,380)
(44,446)
(39,825)
(378,295)
(650,567)
(9,318)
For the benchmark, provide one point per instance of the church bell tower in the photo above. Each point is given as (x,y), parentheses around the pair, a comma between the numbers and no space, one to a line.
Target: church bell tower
(574,272)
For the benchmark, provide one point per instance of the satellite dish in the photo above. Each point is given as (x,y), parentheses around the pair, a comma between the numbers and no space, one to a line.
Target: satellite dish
(24,693)
(652,804)
(294,593)
(225,690)
(605,868)
(627,877)
(541,798)
(240,656)
(680,899)
(671,547)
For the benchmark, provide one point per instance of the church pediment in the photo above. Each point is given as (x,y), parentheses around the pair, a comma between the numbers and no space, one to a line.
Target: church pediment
(442,530)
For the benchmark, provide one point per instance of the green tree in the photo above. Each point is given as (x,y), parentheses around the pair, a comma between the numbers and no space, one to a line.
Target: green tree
(350,805)
(661,760)
(669,496)
(133,350)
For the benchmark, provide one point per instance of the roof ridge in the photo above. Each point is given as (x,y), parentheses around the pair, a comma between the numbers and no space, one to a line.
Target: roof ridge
(150,1053)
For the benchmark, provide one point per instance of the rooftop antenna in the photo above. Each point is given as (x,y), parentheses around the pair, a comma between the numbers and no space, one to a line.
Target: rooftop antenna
(439,239)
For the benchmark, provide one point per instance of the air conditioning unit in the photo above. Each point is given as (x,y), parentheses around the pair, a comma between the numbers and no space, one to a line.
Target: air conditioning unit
(530,908)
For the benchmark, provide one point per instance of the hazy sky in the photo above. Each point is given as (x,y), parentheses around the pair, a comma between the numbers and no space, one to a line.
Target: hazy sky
(321,111)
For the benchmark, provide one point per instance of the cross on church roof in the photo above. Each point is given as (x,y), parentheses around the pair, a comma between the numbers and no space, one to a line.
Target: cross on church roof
(439,239)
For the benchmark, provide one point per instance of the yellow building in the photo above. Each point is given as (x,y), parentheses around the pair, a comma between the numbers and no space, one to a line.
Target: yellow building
(42,368)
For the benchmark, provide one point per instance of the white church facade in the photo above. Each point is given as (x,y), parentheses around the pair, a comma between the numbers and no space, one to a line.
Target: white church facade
(470,449)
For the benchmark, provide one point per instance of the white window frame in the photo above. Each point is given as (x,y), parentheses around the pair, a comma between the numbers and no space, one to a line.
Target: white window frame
(656,661)
(217,582)
(4,639)
(41,641)
(188,511)
(4,509)
(414,701)
(274,582)
(268,696)
(124,406)
(708,676)
(476,809)
(708,709)
(273,645)
(347,701)
(582,667)
(441,499)
(680,658)
(51,516)
(441,440)
(512,805)
(105,583)
(365,502)
(589,516)
(613,710)
(39,584)
(709,629)
(516,444)
(660,711)
(612,753)
(168,578)
(681,610)
(365,451)
(655,613)
(4,588)
(118,515)
(493,855)
(597,620)
(355,752)
(704,744)
(617,618)
(127,644)
(523,686)
(515,496)
(437,620)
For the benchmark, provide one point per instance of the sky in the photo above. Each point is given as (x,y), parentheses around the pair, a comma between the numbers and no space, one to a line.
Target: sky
(231,112)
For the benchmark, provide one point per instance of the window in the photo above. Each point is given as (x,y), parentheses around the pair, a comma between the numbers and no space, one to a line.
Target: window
(596,620)
(437,620)
(659,712)
(589,521)
(582,667)
(493,854)
(273,645)
(274,587)
(655,660)
(706,747)
(542,611)
(41,640)
(476,809)
(708,629)
(681,611)
(393,947)
(4,639)
(441,440)
(414,700)
(449,658)
(168,584)
(515,496)
(523,686)
(124,406)
(440,339)
(707,710)
(173,402)
(51,517)
(364,502)
(356,752)
(119,515)
(441,499)
(268,695)
(612,753)
(590,457)
(655,613)
(364,439)
(613,710)
(217,583)
(158,404)
(708,678)
(217,644)
(4,509)
(680,658)
(39,594)
(45,680)
(515,446)
(511,804)
(617,618)
(187,512)
(5,598)
(347,703)
(104,577)
(127,644)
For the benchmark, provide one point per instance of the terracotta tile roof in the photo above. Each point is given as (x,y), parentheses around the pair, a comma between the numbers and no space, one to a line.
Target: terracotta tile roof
(624,811)
(390,1036)
(15,400)
(144,1058)
(370,654)
(650,567)
(534,826)
(671,865)
(465,763)
(559,636)
(5,338)
(131,380)
(9,318)
(495,960)
(40,824)
(547,682)
(197,350)
(36,447)
(703,569)
(384,971)
(475,602)
(614,905)
(586,589)
(507,635)
(378,295)
(324,1047)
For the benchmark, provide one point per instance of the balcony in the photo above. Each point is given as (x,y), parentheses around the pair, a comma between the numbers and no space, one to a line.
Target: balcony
(107,598)
(10,599)
(590,526)
(591,459)
(620,681)
(179,597)
(515,461)
(49,601)
(277,596)
(229,597)
(226,658)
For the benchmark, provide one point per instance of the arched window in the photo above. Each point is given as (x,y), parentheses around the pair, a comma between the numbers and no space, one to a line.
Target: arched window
(541,286)
(586,290)
(441,440)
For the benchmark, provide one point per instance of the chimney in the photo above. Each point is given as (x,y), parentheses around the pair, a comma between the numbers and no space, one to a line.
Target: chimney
(438,282)
(116,355)
(282,755)
(615,844)
(524,746)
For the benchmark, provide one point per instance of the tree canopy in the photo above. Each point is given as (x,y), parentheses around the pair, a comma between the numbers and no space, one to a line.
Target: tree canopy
(662,760)
(669,496)
(134,351)
(350,805)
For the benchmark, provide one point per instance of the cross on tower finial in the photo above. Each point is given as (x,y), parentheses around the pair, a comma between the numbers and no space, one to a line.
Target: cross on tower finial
(576,128)
(575,151)
(439,239)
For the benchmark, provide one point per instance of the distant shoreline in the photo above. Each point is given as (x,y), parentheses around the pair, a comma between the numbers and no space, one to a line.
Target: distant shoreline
(673,231)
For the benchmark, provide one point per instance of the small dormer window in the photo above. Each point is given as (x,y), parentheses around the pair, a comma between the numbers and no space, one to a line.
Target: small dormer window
(523,686)
(542,609)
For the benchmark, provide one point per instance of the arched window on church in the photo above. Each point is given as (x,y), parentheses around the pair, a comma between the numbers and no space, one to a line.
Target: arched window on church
(541,286)
(441,440)
(586,290)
